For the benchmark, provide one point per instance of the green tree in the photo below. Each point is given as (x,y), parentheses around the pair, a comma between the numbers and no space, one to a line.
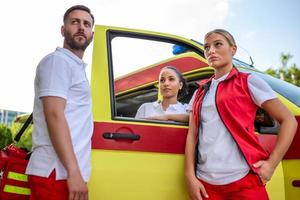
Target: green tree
(294,73)
(26,140)
(284,58)
(5,136)
(272,72)
(290,74)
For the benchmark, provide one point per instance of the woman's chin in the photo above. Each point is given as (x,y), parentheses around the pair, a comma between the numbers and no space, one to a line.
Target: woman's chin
(169,96)
(214,64)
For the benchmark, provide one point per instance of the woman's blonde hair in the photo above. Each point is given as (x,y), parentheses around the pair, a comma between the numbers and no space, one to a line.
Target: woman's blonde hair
(224,33)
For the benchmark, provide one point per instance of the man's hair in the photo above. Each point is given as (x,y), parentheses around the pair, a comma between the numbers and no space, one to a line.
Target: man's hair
(78,7)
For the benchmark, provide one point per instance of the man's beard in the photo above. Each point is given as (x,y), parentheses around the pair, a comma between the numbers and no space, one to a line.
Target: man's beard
(73,44)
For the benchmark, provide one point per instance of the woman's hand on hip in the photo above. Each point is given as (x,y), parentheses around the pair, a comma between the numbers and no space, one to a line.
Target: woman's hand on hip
(266,170)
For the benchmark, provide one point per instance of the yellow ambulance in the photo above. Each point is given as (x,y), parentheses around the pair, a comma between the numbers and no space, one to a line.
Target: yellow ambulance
(134,159)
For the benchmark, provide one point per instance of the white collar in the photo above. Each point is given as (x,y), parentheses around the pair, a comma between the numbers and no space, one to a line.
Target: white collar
(175,106)
(222,78)
(71,55)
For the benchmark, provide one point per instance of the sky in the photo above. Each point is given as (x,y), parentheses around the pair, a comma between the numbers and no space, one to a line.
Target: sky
(31,29)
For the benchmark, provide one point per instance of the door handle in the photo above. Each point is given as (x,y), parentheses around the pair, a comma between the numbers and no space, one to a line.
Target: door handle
(296,183)
(120,136)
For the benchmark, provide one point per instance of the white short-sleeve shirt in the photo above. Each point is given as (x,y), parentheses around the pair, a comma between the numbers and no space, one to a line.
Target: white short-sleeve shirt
(219,159)
(155,109)
(62,74)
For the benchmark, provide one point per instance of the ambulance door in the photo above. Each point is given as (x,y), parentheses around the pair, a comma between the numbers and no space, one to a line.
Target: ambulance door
(136,158)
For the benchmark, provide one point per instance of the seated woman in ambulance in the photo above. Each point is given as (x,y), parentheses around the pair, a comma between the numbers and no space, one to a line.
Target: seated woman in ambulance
(172,86)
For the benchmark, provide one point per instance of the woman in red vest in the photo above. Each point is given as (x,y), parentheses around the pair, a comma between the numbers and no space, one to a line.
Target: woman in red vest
(224,159)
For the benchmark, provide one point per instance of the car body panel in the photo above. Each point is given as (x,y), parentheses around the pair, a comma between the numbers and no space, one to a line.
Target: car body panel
(152,167)
(136,175)
(291,170)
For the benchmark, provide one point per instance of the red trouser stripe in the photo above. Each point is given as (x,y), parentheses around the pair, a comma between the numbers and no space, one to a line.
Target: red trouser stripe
(48,188)
(250,187)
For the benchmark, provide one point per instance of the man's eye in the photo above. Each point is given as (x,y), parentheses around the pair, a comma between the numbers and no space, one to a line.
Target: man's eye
(87,24)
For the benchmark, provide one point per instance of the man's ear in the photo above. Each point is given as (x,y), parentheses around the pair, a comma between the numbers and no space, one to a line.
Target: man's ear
(62,31)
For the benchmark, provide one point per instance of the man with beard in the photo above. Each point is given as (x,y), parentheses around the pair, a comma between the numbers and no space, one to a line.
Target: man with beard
(59,166)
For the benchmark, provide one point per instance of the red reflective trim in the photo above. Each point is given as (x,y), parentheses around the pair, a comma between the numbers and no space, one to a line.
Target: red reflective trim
(152,138)
(294,150)
(149,75)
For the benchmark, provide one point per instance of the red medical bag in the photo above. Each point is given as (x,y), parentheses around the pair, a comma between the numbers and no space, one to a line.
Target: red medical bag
(13,162)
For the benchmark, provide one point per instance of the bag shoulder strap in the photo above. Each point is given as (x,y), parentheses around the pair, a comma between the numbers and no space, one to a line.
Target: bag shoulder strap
(21,131)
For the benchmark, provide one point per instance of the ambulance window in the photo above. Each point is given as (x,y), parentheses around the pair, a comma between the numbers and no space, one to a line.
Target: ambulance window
(265,124)
(135,66)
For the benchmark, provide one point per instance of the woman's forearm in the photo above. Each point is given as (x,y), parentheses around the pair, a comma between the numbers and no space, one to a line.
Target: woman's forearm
(288,126)
(178,117)
(190,148)
(286,134)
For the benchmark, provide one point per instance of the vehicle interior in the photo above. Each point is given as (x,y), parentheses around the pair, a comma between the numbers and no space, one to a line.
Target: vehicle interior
(128,103)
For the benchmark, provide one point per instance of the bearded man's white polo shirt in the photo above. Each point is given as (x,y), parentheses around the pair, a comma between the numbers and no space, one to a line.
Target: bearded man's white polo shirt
(62,74)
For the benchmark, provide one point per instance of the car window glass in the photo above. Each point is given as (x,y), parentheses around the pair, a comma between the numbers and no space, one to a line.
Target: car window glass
(135,67)
(265,124)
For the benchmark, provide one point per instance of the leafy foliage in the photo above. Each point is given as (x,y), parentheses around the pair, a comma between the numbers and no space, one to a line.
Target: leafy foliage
(290,74)
(5,136)
(25,141)
(7,133)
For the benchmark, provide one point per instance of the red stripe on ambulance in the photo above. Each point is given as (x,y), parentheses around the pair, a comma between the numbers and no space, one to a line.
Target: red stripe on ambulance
(294,150)
(152,138)
(167,139)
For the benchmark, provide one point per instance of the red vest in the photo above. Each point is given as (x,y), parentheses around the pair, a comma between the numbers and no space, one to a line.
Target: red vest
(237,111)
